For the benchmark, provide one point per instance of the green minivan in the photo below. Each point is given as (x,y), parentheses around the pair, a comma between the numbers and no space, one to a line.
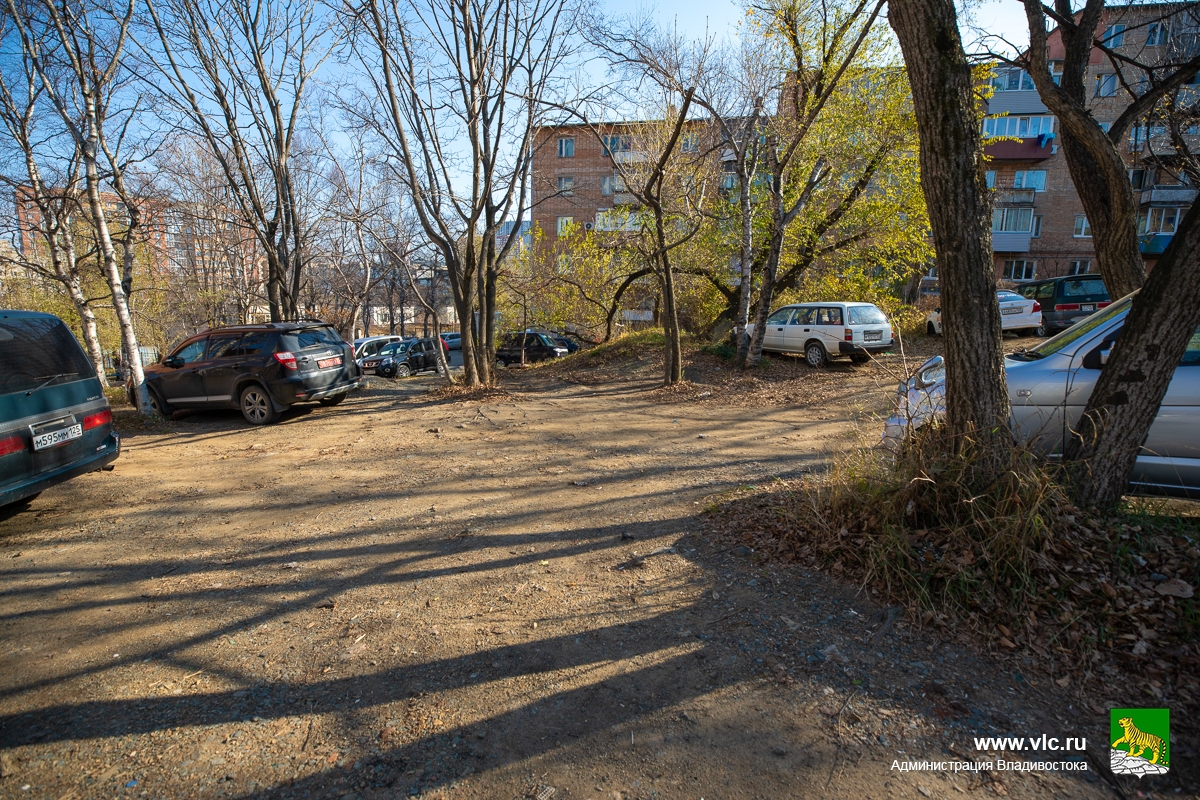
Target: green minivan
(55,422)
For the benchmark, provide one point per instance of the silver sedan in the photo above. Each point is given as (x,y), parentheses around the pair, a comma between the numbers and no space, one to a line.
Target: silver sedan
(1048,389)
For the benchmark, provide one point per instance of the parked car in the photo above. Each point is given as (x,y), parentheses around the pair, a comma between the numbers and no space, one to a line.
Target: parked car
(260,369)
(822,331)
(370,345)
(371,363)
(527,348)
(1017,313)
(453,341)
(1066,301)
(409,358)
(1049,386)
(55,423)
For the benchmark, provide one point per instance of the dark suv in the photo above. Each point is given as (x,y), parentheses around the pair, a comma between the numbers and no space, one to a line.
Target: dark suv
(401,359)
(526,348)
(55,422)
(260,369)
(1065,301)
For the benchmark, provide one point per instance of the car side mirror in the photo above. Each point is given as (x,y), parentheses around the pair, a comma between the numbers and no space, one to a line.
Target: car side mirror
(174,362)
(937,310)
(1104,354)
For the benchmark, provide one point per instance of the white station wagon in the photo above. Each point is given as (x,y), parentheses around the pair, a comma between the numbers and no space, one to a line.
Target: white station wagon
(822,331)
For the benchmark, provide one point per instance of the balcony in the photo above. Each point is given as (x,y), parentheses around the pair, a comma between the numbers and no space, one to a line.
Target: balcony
(1154,244)
(1168,196)
(629,156)
(1024,150)
(1010,242)
(624,199)
(1023,102)
(1014,197)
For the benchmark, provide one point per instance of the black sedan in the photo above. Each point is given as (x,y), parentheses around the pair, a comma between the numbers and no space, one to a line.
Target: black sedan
(527,348)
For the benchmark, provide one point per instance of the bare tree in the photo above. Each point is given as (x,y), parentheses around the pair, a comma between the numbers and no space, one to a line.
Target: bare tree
(89,43)
(455,94)
(237,74)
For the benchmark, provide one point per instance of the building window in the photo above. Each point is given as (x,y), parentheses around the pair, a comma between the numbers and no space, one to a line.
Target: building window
(566,185)
(617,144)
(1056,69)
(566,147)
(990,177)
(1105,126)
(1020,270)
(1012,80)
(1083,230)
(1080,267)
(1037,227)
(1030,179)
(1106,84)
(610,184)
(1114,36)
(1023,127)
(690,143)
(1012,220)
(1140,179)
(1159,33)
(564,223)
(1157,220)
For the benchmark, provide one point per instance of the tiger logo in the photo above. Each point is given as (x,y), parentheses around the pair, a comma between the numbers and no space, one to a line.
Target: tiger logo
(1139,742)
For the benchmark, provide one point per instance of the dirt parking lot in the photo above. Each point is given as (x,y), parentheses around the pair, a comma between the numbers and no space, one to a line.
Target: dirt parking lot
(498,598)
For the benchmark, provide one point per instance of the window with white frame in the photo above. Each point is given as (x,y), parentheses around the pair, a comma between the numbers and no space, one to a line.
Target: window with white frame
(1012,220)
(1158,220)
(611,184)
(1081,267)
(1023,127)
(690,143)
(1158,34)
(1036,233)
(1030,179)
(617,144)
(1021,269)
(566,147)
(1012,79)
(1083,229)
(1056,69)
(1141,178)
(566,185)
(1114,36)
(563,225)
(1106,84)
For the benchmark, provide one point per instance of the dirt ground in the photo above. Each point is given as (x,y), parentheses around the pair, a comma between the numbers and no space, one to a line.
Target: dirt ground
(406,596)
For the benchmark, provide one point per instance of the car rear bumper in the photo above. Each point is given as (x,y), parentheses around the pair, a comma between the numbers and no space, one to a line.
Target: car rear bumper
(25,487)
(302,390)
(852,349)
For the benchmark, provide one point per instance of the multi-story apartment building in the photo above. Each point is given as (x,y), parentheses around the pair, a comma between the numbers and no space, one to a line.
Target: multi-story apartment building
(1039,228)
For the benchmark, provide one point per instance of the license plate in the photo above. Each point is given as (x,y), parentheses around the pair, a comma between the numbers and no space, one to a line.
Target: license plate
(873,336)
(1016,310)
(1088,307)
(54,438)
(329,362)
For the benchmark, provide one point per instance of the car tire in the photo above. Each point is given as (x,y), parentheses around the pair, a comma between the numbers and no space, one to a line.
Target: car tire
(1040,330)
(860,358)
(930,330)
(815,355)
(256,405)
(157,404)
(501,363)
(333,400)
(403,370)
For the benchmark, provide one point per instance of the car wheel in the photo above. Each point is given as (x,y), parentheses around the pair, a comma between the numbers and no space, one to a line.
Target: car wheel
(501,363)
(333,400)
(256,405)
(815,355)
(403,371)
(1040,330)
(930,329)
(860,358)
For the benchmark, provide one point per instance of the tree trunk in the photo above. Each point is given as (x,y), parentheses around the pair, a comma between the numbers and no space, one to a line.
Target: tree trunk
(953,181)
(1162,319)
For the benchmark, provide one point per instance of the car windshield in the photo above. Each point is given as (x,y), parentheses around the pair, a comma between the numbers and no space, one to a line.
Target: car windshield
(311,337)
(866,315)
(38,352)
(394,348)
(1078,331)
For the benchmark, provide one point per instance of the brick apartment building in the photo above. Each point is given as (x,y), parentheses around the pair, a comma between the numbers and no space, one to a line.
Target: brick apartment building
(1039,229)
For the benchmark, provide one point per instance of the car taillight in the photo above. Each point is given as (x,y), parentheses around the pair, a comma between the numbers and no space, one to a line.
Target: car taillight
(97,419)
(1067,307)
(1036,307)
(287,359)
(13,444)
(1104,305)
(849,335)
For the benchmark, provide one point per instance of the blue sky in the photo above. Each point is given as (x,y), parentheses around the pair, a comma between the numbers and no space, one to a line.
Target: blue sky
(1004,18)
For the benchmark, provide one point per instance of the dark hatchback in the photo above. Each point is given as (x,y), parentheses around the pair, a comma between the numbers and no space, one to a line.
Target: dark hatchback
(527,348)
(1066,301)
(55,422)
(260,369)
